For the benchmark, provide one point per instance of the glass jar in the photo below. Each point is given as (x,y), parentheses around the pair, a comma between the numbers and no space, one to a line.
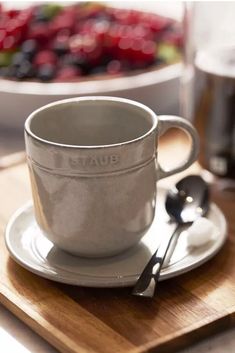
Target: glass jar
(208,83)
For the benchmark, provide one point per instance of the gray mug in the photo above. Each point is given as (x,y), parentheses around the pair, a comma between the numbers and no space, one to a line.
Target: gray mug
(93,169)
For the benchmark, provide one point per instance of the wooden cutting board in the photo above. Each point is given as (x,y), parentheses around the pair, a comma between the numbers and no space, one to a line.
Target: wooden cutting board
(83,320)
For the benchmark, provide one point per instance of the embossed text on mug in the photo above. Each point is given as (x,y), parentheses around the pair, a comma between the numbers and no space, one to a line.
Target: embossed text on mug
(94,161)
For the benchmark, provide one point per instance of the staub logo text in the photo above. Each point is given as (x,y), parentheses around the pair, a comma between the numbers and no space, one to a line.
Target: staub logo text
(94,161)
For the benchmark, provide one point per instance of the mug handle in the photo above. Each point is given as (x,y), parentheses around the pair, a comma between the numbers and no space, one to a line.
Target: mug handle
(168,121)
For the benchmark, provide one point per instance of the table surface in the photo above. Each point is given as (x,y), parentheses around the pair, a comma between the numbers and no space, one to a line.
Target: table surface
(15,336)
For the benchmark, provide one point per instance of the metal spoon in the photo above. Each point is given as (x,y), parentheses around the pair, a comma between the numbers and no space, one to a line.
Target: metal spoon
(187,201)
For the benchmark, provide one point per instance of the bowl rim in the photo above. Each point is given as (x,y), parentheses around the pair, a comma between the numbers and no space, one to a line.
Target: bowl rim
(90,87)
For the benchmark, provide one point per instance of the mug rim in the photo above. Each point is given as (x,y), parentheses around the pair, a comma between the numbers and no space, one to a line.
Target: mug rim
(130,102)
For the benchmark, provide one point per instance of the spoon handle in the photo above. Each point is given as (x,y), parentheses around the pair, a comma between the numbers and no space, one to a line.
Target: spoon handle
(146,284)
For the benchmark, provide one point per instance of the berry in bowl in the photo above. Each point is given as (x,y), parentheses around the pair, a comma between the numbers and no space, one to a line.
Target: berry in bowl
(50,51)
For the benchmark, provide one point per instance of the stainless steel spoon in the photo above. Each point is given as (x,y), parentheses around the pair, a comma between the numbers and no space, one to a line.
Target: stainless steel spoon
(187,201)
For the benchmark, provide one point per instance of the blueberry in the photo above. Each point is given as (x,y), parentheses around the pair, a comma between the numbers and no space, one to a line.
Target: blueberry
(18,58)
(8,72)
(81,61)
(25,70)
(46,72)
(140,65)
(3,71)
(159,61)
(29,47)
(102,16)
(97,70)
(60,48)
(68,59)
(40,15)
(126,65)
(106,59)
(76,60)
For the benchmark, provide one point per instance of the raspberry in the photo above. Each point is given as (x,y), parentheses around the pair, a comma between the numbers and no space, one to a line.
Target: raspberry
(12,13)
(9,43)
(114,67)
(2,37)
(76,43)
(124,48)
(140,31)
(14,29)
(67,73)
(149,51)
(111,40)
(39,32)
(100,29)
(65,20)
(45,57)
(88,45)
(92,49)
(126,17)
(25,16)
(155,22)
(173,37)
(4,20)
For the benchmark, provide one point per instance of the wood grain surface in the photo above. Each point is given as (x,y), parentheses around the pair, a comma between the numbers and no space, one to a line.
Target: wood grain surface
(86,320)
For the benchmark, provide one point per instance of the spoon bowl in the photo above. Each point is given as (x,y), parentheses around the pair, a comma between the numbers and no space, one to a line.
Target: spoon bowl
(188,200)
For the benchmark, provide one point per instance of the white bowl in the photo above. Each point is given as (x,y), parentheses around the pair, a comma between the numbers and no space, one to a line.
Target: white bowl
(158,89)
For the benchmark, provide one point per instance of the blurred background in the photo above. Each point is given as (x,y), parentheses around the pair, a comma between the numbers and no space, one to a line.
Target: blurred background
(56,50)
(175,57)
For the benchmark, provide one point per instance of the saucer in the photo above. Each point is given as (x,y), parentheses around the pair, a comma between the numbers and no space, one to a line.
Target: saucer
(28,246)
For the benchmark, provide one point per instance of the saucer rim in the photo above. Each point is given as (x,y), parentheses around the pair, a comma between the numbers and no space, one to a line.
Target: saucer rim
(170,271)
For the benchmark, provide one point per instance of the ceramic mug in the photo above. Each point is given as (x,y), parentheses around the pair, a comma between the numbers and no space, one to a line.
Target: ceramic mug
(93,169)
